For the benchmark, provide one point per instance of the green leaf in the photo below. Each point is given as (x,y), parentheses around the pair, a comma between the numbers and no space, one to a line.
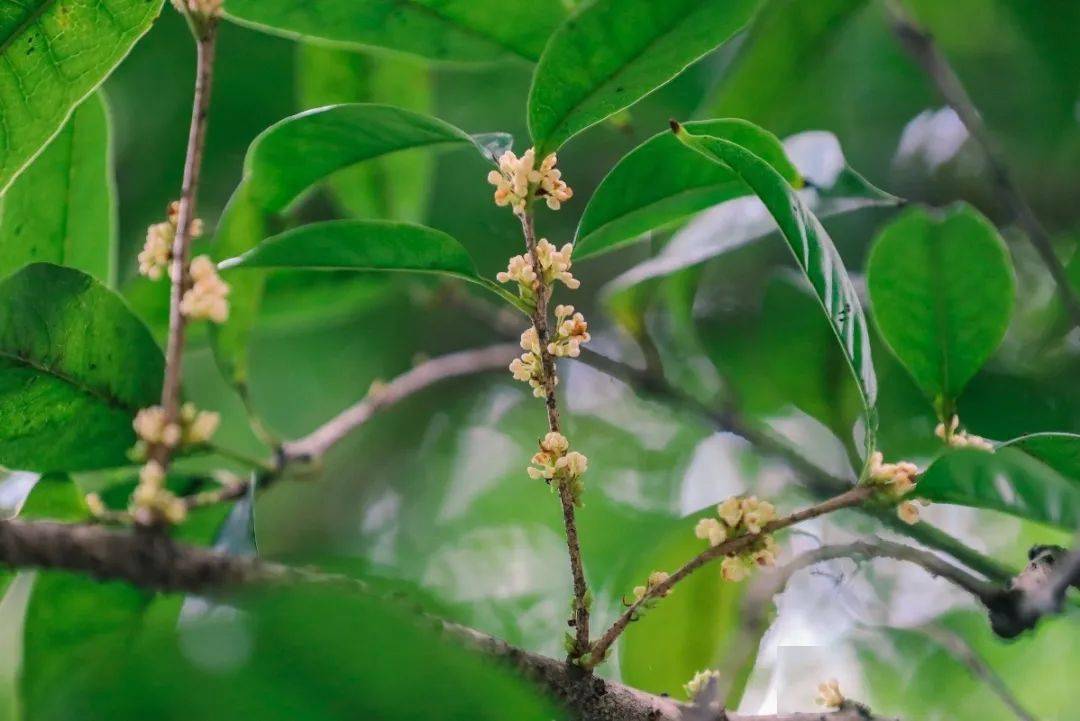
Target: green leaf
(452,30)
(612,53)
(814,252)
(942,289)
(657,184)
(1035,476)
(283,162)
(75,366)
(833,189)
(54,497)
(366,245)
(395,186)
(688,631)
(62,208)
(54,53)
(343,654)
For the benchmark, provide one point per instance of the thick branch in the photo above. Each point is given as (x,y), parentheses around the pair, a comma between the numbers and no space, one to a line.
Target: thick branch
(314,445)
(922,48)
(853,497)
(580,618)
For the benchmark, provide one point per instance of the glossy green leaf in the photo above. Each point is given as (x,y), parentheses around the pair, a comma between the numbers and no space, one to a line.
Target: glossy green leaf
(75,366)
(54,497)
(657,184)
(365,245)
(814,252)
(54,53)
(397,186)
(62,208)
(612,53)
(942,289)
(833,188)
(342,653)
(1035,476)
(452,30)
(283,162)
(686,632)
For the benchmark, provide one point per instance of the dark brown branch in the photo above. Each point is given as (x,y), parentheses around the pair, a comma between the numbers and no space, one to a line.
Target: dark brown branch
(921,46)
(155,562)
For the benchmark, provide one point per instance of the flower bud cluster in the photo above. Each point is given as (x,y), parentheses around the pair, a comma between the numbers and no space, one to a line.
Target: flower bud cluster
(896,480)
(558,465)
(700,682)
(152,503)
(654,580)
(554,266)
(829,694)
(518,179)
(571,330)
(194,427)
(961,439)
(157,250)
(205,299)
(739,516)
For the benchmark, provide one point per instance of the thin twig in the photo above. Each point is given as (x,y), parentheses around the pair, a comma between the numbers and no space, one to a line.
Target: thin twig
(921,46)
(850,498)
(205,44)
(580,619)
(314,445)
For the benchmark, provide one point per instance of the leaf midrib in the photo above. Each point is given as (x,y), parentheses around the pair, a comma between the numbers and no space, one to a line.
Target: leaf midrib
(109,400)
(32,18)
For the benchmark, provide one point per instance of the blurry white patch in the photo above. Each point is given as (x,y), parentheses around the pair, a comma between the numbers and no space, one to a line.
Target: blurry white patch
(380,522)
(1005,488)
(14,489)
(817,156)
(932,138)
(500,401)
(815,441)
(217,641)
(502,562)
(714,473)
(484,457)
(590,392)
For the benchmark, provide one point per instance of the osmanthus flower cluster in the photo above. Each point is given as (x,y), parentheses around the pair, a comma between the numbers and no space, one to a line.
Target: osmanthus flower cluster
(518,179)
(741,516)
(961,439)
(152,502)
(206,298)
(700,682)
(896,480)
(559,466)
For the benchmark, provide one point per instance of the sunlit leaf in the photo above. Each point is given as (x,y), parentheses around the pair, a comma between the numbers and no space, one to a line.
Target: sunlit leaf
(54,53)
(612,53)
(814,252)
(61,209)
(942,290)
(454,30)
(75,366)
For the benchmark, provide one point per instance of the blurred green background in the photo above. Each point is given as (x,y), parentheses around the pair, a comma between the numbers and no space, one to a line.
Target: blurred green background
(433,495)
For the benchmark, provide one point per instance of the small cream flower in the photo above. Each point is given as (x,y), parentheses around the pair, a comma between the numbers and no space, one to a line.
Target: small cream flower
(198,426)
(766,555)
(654,580)
(530,369)
(908,511)
(518,178)
(571,331)
(899,478)
(733,569)
(95,505)
(711,530)
(519,270)
(156,252)
(829,694)
(555,263)
(206,297)
(700,682)
(961,439)
(730,511)
(195,427)
(755,513)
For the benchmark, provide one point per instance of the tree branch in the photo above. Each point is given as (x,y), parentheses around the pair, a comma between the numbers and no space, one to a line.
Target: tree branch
(312,446)
(580,614)
(852,497)
(921,46)
(205,34)
(156,562)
